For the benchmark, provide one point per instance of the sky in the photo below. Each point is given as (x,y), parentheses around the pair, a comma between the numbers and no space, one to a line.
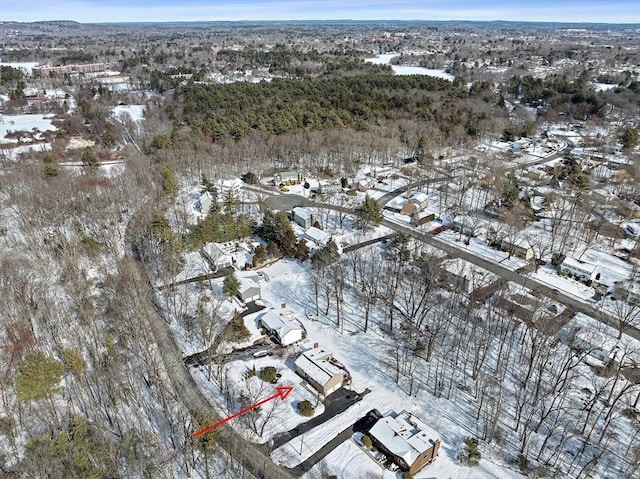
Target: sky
(98,11)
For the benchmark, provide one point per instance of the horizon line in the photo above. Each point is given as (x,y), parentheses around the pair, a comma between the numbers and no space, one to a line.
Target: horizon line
(310,20)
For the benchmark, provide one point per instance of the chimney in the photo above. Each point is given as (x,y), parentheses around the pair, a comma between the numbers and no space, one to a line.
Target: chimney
(283,305)
(316,345)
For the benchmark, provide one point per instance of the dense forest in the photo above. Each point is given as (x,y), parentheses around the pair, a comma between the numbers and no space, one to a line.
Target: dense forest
(280,106)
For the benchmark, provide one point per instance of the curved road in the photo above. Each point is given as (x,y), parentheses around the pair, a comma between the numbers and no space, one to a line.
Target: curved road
(253,458)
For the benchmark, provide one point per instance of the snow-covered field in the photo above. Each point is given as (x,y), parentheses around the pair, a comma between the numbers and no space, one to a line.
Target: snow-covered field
(409,70)
(26,67)
(482,249)
(12,154)
(33,124)
(289,284)
(135,112)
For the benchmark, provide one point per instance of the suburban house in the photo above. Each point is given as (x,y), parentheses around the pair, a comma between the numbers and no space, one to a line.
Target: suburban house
(420,199)
(579,269)
(365,184)
(318,368)
(217,255)
(286,177)
(317,236)
(283,327)
(303,217)
(249,289)
(396,205)
(204,202)
(462,276)
(518,247)
(633,294)
(229,186)
(405,440)
(600,341)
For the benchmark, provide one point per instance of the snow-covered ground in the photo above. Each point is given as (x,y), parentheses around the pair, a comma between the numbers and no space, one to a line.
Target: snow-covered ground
(286,415)
(26,67)
(549,275)
(360,354)
(604,86)
(349,461)
(478,247)
(12,154)
(385,59)
(611,267)
(135,112)
(32,124)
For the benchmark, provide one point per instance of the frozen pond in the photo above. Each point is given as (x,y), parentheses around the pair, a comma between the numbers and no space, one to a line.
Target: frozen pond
(384,59)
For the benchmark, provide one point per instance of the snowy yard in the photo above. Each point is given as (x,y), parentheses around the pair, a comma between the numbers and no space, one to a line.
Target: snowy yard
(30,124)
(549,275)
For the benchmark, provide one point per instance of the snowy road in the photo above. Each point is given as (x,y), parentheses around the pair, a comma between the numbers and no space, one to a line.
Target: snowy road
(510,275)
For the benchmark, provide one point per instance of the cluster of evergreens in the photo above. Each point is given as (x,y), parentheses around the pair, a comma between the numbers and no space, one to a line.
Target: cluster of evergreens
(280,106)
(276,228)
(219,227)
(76,57)
(9,76)
(556,90)
(298,63)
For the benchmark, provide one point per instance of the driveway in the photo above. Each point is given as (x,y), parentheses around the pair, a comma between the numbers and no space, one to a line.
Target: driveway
(204,357)
(363,425)
(334,404)
(287,202)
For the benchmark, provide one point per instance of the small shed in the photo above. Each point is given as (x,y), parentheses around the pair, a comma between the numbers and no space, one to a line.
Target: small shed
(303,217)
(317,236)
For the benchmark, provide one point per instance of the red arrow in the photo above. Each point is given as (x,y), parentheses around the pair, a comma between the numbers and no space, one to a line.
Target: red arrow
(281,392)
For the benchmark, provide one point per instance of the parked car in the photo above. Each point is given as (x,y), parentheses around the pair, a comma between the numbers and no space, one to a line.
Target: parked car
(262,353)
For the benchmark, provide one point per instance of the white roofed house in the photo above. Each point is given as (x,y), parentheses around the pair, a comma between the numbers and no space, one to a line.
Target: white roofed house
(249,289)
(283,327)
(317,236)
(217,256)
(579,269)
(226,186)
(325,374)
(406,440)
(420,199)
(303,217)
(204,202)
(289,177)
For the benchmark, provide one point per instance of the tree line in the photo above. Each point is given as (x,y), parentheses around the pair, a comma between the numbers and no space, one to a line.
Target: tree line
(271,108)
